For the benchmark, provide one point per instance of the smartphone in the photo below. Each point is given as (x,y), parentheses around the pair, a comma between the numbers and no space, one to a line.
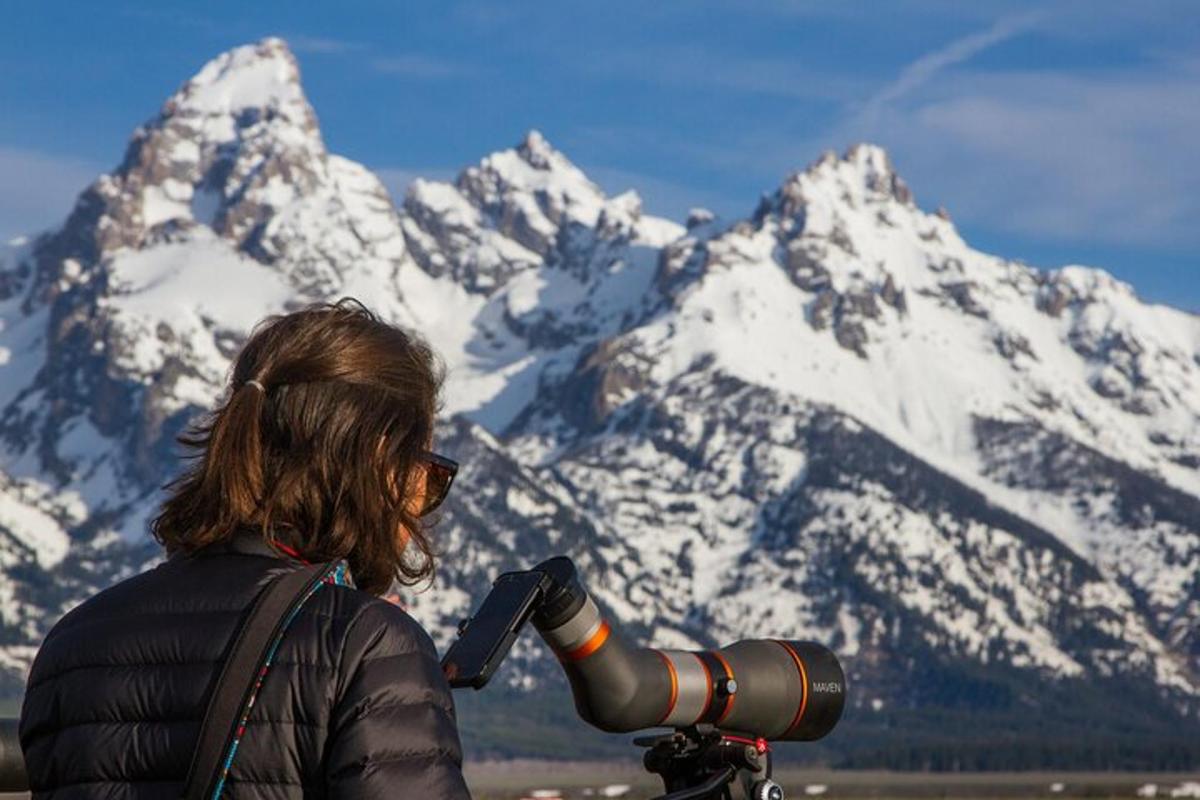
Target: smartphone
(485,639)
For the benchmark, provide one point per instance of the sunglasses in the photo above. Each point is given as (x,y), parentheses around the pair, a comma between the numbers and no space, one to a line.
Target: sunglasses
(439,474)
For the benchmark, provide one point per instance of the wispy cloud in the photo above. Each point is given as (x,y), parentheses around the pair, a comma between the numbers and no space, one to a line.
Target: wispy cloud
(775,150)
(486,15)
(37,189)
(409,65)
(322,45)
(1057,155)
(1107,158)
(413,65)
(176,17)
(924,69)
(699,68)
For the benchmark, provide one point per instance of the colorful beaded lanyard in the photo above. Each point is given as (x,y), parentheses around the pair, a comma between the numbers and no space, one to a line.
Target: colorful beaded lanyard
(336,576)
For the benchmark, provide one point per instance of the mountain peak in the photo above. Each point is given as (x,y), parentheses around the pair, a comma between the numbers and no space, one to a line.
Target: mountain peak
(534,163)
(869,156)
(861,177)
(235,159)
(537,151)
(236,143)
(263,75)
(535,182)
(864,167)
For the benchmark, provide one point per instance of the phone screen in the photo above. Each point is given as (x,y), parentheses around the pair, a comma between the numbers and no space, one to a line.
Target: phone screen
(489,634)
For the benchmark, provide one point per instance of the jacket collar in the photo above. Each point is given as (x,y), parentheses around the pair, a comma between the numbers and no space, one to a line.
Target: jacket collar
(243,541)
(248,542)
(252,543)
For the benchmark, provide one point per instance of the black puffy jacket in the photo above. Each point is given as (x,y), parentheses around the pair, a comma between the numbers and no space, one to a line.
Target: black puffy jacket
(354,704)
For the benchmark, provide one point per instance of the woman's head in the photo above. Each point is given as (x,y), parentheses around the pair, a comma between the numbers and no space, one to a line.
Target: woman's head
(320,444)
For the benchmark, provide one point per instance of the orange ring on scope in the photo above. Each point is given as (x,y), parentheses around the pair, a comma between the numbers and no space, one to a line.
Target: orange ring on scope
(729,676)
(803,686)
(591,645)
(674,685)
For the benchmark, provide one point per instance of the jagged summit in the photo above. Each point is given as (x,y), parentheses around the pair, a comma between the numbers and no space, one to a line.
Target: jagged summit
(263,75)
(533,171)
(229,151)
(236,156)
(516,208)
(864,175)
(863,164)
(537,151)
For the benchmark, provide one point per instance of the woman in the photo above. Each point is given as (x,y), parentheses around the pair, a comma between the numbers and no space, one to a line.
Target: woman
(320,452)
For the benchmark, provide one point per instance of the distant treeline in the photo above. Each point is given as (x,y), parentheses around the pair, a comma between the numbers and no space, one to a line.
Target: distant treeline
(977,752)
(1068,728)
(1081,736)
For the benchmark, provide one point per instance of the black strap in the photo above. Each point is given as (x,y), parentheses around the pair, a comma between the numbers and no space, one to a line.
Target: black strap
(271,611)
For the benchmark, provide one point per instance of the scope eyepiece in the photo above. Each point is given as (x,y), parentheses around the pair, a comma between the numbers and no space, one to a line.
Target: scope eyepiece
(564,595)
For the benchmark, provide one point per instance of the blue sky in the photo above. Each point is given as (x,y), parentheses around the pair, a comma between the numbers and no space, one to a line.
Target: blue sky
(1061,132)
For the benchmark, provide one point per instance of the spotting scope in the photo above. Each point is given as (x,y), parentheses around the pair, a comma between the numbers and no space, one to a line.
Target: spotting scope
(748,693)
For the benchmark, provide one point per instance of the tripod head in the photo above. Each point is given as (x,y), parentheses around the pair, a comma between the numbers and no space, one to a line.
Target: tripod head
(702,762)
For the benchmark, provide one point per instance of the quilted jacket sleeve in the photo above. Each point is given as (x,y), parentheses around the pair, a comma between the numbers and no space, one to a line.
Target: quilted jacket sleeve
(393,731)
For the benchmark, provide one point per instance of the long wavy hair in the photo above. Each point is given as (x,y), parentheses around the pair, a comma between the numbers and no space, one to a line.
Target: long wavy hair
(317,446)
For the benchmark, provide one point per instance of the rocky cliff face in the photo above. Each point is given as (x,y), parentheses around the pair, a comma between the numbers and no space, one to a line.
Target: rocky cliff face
(832,419)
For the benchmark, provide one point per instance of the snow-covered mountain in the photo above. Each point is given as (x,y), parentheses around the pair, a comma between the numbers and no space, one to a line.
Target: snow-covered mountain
(832,419)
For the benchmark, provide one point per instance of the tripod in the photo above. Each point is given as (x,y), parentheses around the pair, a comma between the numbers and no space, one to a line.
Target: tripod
(700,763)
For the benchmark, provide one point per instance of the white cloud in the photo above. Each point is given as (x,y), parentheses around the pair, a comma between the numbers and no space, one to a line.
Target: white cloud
(38,189)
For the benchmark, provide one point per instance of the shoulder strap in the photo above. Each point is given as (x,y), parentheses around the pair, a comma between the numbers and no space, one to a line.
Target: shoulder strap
(272,610)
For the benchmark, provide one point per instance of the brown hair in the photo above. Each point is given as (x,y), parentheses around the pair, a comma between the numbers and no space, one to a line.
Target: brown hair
(326,416)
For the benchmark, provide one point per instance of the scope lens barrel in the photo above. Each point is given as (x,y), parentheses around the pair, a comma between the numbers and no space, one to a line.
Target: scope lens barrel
(774,689)
(783,690)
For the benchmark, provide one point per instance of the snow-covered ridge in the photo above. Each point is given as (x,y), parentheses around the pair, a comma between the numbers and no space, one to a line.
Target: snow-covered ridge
(913,447)
(513,210)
